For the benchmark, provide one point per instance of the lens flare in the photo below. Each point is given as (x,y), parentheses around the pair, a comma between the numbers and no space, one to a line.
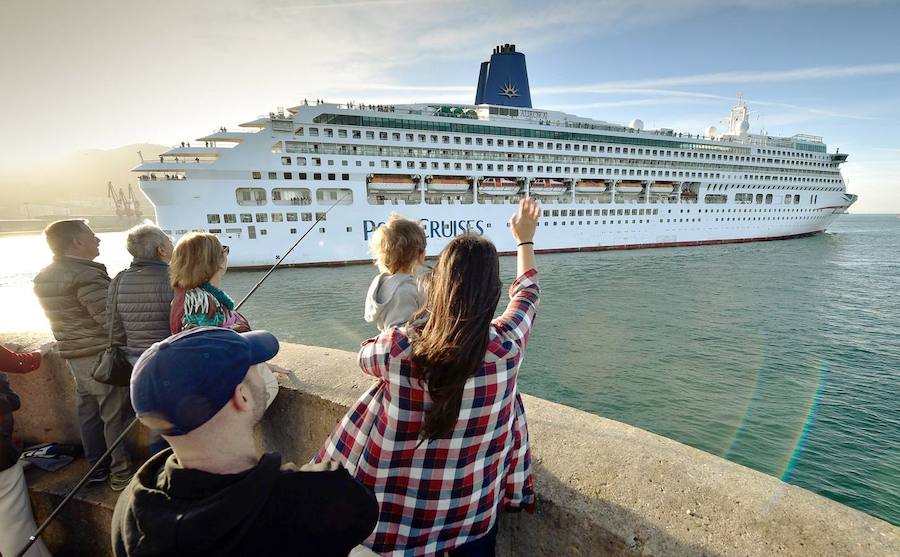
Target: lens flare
(807,425)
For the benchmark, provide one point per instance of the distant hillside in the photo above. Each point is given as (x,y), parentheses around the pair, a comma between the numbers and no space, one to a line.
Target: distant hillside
(78,179)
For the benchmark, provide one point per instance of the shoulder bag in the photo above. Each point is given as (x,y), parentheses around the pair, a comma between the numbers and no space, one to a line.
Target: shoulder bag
(112,367)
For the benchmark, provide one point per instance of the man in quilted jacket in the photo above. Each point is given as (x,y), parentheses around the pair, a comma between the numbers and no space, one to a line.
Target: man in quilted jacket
(73,290)
(140,296)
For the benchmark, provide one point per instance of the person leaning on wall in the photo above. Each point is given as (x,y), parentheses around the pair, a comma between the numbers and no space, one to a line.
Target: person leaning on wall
(140,296)
(16,518)
(73,290)
(199,262)
(212,493)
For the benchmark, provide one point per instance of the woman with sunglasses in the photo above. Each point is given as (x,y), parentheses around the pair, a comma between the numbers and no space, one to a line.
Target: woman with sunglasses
(198,263)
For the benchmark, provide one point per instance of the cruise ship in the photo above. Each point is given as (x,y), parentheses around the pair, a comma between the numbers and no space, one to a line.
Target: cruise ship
(340,170)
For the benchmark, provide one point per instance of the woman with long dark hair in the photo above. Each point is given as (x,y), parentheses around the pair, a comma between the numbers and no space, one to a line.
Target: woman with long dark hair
(441,437)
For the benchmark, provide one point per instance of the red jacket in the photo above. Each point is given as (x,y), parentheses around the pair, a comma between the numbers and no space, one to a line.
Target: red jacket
(15,362)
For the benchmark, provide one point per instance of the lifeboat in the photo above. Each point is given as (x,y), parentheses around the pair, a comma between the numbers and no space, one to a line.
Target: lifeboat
(547,186)
(661,187)
(590,186)
(498,186)
(392,184)
(448,185)
(629,187)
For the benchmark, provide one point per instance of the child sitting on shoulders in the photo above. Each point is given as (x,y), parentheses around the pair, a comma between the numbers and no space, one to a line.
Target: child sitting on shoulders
(398,248)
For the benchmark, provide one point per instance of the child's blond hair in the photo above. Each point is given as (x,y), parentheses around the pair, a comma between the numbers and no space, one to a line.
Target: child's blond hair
(397,244)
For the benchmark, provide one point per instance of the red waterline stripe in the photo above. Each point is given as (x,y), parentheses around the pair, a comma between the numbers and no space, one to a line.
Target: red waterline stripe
(558,250)
(672,244)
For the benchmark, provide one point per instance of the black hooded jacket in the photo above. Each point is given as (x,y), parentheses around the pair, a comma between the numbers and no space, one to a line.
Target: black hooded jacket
(268,510)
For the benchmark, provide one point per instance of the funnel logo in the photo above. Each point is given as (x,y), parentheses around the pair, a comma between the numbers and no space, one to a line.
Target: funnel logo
(509,90)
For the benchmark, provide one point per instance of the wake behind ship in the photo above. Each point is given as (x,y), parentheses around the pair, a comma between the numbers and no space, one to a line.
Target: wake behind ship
(464,167)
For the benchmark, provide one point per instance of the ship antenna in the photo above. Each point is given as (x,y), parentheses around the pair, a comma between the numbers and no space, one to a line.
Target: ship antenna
(33,538)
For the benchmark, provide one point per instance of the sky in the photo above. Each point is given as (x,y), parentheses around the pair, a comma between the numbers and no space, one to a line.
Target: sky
(103,74)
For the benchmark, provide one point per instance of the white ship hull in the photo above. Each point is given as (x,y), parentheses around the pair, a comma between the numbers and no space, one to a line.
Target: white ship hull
(343,236)
(260,190)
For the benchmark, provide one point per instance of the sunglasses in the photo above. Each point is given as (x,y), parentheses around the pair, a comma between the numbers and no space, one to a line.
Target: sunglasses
(225,250)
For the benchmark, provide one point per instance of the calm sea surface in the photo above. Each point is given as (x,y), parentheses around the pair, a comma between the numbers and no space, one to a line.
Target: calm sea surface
(782,356)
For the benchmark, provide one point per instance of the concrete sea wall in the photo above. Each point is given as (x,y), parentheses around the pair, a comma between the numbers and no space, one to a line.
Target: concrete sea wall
(604,488)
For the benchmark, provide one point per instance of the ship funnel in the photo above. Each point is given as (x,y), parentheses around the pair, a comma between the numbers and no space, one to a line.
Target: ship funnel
(503,80)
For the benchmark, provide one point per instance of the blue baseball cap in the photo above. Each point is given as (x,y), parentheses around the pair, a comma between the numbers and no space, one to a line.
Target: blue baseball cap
(179,383)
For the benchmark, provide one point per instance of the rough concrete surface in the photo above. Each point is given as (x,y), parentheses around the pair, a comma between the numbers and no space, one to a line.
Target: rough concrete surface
(604,488)
(48,395)
(83,527)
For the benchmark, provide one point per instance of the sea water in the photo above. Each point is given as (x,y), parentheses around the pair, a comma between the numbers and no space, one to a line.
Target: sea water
(782,356)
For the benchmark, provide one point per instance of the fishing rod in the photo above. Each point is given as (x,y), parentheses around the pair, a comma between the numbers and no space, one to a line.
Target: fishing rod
(34,537)
(288,252)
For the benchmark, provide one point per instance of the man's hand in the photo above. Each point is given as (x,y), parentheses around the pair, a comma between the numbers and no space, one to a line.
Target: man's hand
(278,369)
(47,349)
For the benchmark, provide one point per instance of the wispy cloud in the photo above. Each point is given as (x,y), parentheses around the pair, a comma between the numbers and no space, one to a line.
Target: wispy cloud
(752,101)
(436,88)
(800,74)
(658,87)
(659,97)
(358,4)
(656,101)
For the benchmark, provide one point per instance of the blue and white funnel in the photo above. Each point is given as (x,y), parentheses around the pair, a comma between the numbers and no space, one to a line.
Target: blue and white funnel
(503,80)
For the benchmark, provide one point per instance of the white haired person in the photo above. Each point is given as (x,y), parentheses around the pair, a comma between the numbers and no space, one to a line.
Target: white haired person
(140,296)
(142,291)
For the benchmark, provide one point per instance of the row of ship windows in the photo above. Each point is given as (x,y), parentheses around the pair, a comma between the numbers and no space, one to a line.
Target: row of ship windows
(673,220)
(778,174)
(378,151)
(423,165)
(575,147)
(481,130)
(277,217)
(232,218)
(579,148)
(249,218)
(252,230)
(344,196)
(478,130)
(649,212)
(238,231)
(293,196)
(257,175)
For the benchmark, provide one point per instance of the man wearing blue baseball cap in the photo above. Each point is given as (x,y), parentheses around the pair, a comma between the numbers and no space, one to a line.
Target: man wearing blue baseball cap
(211,493)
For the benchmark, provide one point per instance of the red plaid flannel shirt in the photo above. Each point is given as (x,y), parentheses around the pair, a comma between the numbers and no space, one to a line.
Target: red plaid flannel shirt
(438,495)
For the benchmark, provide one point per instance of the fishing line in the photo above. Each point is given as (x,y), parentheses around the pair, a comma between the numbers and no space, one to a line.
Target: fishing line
(34,537)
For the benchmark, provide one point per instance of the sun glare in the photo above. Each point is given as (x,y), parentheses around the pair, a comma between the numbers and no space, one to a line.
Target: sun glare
(30,253)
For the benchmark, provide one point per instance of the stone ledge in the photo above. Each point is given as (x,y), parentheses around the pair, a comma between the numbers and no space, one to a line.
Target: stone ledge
(83,526)
(604,488)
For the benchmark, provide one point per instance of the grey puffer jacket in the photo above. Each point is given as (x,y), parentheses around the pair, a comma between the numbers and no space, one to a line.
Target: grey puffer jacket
(393,299)
(73,294)
(142,303)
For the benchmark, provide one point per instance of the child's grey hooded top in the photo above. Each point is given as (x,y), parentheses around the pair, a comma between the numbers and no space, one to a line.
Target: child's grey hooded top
(393,299)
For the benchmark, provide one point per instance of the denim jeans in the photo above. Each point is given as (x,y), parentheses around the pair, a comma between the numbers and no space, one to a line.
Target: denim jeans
(104,412)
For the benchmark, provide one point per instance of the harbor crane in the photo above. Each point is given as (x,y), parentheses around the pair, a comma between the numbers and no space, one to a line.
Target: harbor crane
(126,205)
